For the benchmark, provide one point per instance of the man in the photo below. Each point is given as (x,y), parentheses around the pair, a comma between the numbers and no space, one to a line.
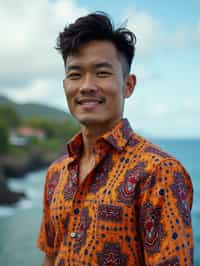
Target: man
(115,198)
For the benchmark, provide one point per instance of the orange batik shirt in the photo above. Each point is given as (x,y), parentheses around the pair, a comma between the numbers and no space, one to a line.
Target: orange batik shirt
(133,208)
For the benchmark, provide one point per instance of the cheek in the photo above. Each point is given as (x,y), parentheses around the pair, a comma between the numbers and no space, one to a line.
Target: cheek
(69,93)
(69,99)
(115,92)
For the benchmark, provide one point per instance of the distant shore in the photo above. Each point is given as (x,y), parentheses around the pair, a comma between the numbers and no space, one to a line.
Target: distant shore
(18,167)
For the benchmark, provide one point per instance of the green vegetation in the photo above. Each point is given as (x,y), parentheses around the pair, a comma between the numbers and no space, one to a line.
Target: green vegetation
(31,110)
(9,116)
(3,137)
(8,119)
(56,130)
(61,129)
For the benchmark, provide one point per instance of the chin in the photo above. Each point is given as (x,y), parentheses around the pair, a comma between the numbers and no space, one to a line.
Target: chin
(88,121)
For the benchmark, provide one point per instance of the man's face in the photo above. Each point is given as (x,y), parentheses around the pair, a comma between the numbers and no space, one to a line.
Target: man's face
(95,85)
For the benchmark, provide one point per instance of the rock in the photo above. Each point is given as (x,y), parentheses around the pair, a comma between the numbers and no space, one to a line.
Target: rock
(7,196)
(17,167)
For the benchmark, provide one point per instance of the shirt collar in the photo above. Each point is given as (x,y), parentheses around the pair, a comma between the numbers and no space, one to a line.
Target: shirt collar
(75,145)
(117,137)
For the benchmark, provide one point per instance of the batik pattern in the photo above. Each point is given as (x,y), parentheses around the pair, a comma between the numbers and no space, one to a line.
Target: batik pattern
(129,188)
(65,226)
(61,262)
(126,130)
(72,182)
(49,234)
(111,256)
(101,175)
(82,229)
(127,211)
(170,262)
(110,213)
(180,191)
(156,151)
(152,229)
(51,185)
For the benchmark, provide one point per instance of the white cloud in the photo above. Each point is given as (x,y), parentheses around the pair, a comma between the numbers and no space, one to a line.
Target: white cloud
(146,28)
(46,91)
(38,89)
(31,69)
(29,30)
(164,119)
(154,39)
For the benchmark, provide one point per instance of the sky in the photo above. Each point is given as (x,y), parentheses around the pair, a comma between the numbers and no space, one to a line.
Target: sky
(166,100)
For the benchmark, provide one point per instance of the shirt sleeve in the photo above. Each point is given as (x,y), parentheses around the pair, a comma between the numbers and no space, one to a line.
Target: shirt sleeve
(46,238)
(165,216)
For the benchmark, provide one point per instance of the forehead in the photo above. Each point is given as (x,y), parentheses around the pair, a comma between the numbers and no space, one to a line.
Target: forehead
(94,52)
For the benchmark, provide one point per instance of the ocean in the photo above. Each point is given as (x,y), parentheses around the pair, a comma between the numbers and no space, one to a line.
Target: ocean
(19,225)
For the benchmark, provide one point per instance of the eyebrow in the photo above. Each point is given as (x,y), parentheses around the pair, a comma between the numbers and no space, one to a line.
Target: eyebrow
(96,65)
(73,67)
(103,64)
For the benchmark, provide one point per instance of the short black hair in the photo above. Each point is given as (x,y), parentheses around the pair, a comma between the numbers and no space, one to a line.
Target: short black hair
(97,26)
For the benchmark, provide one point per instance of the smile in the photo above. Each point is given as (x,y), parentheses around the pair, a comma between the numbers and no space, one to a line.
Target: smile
(90,101)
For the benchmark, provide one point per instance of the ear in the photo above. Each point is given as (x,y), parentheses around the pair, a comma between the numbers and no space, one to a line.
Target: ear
(130,82)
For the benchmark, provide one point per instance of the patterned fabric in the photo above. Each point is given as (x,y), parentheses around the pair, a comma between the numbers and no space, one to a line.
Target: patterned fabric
(129,189)
(111,256)
(133,209)
(101,175)
(151,227)
(72,182)
(82,229)
(110,213)
(171,262)
(180,192)
(52,183)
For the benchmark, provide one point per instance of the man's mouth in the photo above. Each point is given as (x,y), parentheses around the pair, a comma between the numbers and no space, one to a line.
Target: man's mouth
(90,101)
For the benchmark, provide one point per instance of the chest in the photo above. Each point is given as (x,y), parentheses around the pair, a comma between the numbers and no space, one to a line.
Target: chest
(97,212)
(109,189)
(85,168)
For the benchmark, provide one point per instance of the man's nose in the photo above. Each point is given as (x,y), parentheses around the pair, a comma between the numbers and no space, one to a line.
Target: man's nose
(88,84)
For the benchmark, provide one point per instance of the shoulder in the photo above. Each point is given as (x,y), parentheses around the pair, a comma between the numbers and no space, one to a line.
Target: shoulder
(153,157)
(148,152)
(58,163)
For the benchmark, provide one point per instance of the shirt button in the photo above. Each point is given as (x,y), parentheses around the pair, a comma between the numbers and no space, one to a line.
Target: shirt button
(76,211)
(73,234)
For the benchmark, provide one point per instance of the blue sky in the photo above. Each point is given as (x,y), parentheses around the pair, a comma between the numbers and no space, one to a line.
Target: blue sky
(167,63)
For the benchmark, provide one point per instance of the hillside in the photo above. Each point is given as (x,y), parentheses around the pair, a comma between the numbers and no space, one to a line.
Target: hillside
(28,110)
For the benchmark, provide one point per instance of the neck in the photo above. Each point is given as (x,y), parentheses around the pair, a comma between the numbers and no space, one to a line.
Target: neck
(90,135)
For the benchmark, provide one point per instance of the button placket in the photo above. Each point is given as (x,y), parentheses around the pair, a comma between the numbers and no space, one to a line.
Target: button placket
(73,234)
(76,211)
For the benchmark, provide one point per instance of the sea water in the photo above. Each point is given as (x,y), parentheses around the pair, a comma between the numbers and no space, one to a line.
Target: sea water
(19,225)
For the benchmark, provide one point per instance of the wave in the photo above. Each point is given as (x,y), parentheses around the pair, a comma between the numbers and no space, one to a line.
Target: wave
(32,185)
(23,204)
(6,211)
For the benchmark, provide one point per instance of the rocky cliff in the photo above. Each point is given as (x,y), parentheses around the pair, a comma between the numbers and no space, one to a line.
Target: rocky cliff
(18,167)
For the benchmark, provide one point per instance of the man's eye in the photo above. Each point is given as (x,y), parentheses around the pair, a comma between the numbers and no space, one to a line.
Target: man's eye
(103,74)
(73,76)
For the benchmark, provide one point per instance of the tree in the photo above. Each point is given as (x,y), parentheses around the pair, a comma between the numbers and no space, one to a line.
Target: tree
(4,138)
(9,115)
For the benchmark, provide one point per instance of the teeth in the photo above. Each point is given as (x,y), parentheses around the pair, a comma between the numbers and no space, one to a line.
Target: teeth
(90,101)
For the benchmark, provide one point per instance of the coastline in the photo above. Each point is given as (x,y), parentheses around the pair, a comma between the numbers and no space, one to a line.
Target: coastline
(18,167)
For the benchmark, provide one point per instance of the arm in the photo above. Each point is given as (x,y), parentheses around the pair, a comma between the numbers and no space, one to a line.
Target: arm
(46,238)
(48,261)
(165,216)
